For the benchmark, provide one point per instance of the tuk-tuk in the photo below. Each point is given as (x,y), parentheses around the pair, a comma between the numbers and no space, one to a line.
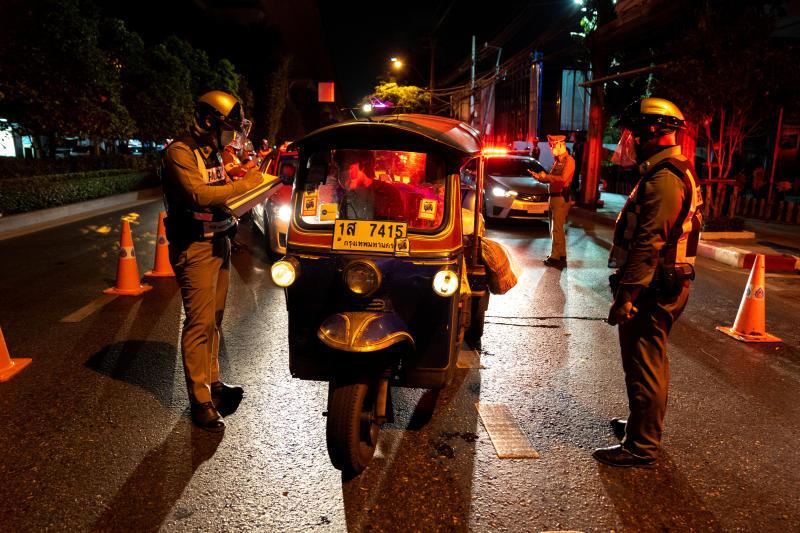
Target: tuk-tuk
(382,279)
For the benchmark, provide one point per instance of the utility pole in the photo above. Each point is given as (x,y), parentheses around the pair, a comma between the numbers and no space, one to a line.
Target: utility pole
(535,97)
(430,83)
(473,60)
(594,142)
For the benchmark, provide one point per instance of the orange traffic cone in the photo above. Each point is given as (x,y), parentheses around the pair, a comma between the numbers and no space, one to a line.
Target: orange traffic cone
(162,266)
(9,367)
(128,281)
(749,325)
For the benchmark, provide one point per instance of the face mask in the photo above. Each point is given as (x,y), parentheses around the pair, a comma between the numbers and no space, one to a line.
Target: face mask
(558,149)
(625,154)
(226,137)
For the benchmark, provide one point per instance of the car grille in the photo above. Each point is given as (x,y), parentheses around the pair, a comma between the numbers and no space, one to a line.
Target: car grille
(539,197)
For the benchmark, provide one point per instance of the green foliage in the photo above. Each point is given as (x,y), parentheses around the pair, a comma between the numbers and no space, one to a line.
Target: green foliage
(408,98)
(56,79)
(28,194)
(69,73)
(13,167)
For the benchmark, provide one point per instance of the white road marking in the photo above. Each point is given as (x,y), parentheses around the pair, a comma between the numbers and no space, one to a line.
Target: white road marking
(90,308)
(508,439)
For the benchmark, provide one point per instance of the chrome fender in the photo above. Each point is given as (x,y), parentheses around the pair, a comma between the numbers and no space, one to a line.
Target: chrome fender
(363,331)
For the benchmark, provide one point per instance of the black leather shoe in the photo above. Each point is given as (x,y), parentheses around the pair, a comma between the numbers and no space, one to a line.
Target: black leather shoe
(619,456)
(618,426)
(206,417)
(555,263)
(226,397)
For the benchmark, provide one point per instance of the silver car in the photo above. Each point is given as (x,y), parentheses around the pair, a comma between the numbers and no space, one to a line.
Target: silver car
(509,191)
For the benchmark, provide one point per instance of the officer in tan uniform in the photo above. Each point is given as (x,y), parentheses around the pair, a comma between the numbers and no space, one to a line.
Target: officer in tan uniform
(559,181)
(195,189)
(655,242)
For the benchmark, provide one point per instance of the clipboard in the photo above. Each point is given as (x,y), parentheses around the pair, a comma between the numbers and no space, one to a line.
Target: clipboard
(241,204)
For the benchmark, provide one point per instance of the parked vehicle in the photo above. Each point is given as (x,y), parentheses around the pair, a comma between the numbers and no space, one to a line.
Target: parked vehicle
(509,191)
(381,282)
(272,216)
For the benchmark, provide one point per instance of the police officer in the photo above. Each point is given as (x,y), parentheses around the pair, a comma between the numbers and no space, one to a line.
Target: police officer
(655,241)
(195,189)
(559,181)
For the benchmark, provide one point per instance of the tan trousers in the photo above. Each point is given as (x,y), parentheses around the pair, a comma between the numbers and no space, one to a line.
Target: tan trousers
(643,342)
(203,272)
(559,209)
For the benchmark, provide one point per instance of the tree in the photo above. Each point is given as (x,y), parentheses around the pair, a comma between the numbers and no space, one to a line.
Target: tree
(56,80)
(278,96)
(407,98)
(728,78)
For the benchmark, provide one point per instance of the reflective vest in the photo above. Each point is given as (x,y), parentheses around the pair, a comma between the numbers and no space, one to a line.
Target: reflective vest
(681,245)
(202,223)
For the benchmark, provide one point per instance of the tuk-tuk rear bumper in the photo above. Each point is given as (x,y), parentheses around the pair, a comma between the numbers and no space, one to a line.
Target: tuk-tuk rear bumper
(363,331)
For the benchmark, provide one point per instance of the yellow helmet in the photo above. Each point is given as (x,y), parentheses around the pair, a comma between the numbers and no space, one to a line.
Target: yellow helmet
(217,109)
(653,112)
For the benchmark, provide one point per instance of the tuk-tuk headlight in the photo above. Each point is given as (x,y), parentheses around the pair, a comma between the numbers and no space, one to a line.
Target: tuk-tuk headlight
(446,283)
(284,272)
(362,277)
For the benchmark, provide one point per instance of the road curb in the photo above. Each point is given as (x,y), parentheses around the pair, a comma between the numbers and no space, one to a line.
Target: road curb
(24,223)
(743,258)
(722,253)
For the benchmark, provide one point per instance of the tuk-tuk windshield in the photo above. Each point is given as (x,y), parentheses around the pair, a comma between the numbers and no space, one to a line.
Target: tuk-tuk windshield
(358,184)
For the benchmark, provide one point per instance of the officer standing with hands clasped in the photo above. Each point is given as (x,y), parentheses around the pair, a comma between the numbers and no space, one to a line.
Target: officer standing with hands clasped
(558,180)
(198,229)
(655,243)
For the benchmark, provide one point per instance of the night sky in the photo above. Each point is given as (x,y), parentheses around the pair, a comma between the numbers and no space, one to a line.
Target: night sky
(350,42)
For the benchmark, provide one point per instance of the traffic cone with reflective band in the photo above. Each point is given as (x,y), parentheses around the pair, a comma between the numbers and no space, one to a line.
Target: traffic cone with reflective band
(128,281)
(749,324)
(162,266)
(9,367)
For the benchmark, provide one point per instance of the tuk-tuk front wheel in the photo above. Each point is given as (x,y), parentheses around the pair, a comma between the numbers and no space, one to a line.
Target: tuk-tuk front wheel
(352,426)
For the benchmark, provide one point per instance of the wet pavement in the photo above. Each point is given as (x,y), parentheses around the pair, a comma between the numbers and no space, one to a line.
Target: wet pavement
(95,433)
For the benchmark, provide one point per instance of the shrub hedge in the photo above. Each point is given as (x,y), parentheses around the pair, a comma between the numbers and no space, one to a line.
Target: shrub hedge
(18,167)
(18,195)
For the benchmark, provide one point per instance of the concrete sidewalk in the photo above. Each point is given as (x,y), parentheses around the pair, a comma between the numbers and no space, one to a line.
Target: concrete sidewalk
(24,223)
(780,243)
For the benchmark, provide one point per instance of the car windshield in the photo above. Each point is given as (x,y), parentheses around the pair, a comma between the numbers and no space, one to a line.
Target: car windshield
(504,166)
(349,184)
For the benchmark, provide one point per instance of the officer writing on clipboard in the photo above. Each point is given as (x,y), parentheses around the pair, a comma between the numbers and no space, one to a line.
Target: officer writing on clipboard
(199,230)
(655,243)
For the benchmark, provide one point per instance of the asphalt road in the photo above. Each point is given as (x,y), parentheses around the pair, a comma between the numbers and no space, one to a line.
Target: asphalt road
(95,433)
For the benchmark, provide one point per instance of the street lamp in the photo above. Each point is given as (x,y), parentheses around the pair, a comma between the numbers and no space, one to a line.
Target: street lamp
(398,64)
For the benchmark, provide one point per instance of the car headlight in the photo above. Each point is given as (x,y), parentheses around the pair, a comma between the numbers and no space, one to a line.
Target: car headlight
(284,272)
(446,283)
(362,277)
(499,191)
(284,213)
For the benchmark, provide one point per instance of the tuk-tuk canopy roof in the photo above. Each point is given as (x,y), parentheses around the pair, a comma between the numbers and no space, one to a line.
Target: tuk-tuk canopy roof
(416,131)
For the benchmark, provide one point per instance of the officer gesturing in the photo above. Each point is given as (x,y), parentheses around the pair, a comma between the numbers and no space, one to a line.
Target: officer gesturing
(559,181)
(195,189)
(655,243)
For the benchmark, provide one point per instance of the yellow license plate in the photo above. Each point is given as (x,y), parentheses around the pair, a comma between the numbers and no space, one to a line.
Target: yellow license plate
(369,236)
